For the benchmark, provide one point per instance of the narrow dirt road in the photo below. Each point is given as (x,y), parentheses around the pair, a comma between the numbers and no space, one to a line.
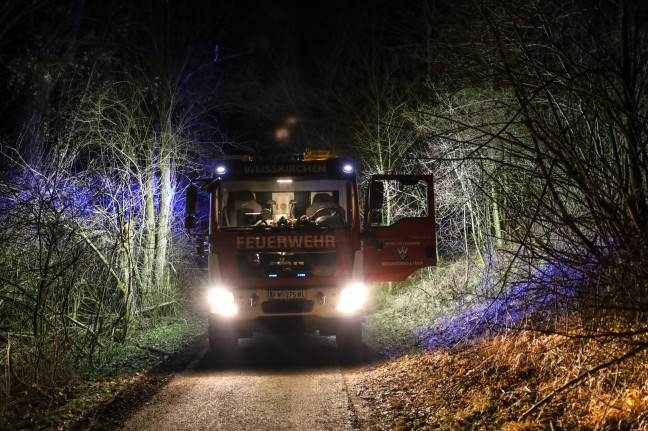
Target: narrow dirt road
(277,383)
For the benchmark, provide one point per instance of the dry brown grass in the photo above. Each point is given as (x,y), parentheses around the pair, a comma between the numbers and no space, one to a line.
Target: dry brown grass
(491,383)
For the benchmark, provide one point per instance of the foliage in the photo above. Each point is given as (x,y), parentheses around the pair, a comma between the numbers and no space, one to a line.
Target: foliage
(494,382)
(536,136)
(122,367)
(146,348)
(584,130)
(399,323)
(98,147)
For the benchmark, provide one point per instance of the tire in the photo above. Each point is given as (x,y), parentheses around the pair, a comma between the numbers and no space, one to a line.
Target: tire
(222,343)
(349,342)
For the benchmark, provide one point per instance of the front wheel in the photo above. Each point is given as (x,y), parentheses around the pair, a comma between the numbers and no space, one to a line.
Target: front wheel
(222,343)
(349,341)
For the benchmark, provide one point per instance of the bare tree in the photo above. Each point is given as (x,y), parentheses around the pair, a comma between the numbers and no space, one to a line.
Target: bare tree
(581,105)
(89,189)
(554,109)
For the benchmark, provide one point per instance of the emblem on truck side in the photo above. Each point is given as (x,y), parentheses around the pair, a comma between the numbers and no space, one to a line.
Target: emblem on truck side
(402,252)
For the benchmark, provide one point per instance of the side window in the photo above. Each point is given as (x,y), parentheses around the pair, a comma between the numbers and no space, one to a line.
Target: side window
(391,200)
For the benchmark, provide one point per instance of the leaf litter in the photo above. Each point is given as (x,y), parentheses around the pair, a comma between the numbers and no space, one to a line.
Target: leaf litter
(519,381)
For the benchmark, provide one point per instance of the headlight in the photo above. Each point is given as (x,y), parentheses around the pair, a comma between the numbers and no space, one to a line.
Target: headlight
(222,301)
(347,168)
(352,298)
(220,169)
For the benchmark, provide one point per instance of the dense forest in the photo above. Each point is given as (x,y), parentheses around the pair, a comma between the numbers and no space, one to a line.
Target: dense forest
(532,116)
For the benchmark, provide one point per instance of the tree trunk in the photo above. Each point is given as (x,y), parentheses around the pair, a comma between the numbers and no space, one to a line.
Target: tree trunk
(163,226)
(148,249)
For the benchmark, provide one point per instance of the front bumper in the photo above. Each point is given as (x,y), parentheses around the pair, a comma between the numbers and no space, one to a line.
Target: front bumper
(295,324)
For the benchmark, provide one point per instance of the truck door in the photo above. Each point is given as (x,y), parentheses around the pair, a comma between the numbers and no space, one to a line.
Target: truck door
(398,229)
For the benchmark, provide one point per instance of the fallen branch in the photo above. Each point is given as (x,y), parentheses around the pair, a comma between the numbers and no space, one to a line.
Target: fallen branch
(152,349)
(157,307)
(582,376)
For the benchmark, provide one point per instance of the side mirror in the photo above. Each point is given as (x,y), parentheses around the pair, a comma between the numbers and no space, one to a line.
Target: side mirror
(191,200)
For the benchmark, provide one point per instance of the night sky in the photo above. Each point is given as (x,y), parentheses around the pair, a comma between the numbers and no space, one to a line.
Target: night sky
(254,65)
(291,43)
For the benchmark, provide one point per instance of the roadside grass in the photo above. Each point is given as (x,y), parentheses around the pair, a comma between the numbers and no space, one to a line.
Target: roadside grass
(511,383)
(153,342)
(90,386)
(397,321)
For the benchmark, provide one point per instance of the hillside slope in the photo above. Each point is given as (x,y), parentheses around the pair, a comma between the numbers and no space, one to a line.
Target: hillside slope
(521,381)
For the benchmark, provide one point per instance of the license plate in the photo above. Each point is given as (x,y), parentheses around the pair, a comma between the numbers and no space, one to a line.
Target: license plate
(287,294)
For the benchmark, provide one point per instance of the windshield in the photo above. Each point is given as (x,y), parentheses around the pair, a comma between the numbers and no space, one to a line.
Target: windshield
(285,202)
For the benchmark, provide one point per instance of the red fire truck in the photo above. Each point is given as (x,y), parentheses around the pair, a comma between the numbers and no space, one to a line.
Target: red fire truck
(289,250)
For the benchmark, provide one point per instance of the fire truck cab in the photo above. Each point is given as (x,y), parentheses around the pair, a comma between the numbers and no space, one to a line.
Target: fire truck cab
(288,250)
